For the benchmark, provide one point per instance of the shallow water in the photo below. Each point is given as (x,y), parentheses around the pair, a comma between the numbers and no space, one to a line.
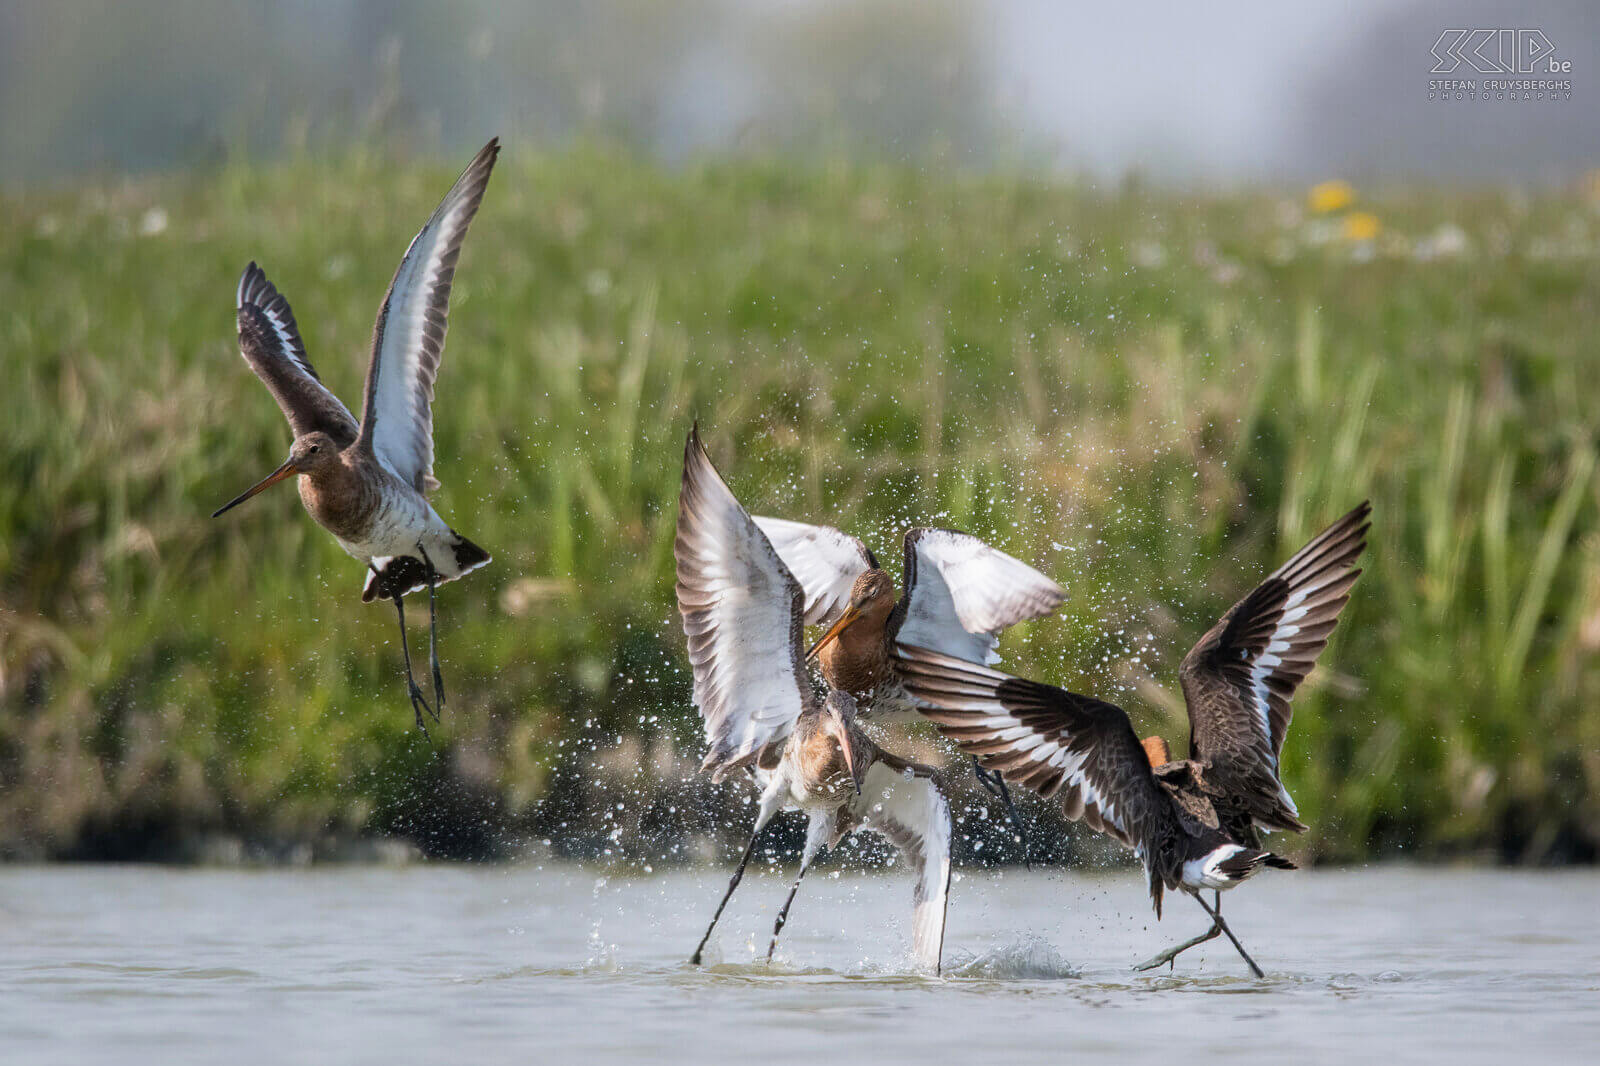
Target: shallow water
(526,964)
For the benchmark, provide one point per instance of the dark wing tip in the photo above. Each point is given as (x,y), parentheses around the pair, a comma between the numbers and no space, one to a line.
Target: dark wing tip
(248,282)
(694,449)
(256,290)
(485,160)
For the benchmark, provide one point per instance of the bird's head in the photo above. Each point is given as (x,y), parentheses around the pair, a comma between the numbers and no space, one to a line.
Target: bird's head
(309,453)
(871,598)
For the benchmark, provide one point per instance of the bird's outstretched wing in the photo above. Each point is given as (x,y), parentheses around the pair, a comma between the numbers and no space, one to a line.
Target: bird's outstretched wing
(1239,678)
(269,340)
(742,615)
(408,338)
(1047,739)
(824,560)
(960,594)
(910,811)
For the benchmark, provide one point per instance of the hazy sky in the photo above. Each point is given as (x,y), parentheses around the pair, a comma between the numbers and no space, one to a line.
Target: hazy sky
(1241,91)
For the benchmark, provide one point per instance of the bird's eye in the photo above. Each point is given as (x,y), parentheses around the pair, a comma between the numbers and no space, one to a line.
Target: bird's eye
(313,449)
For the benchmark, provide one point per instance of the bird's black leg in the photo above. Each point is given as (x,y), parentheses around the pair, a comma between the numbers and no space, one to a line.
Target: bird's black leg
(418,703)
(995,784)
(738,875)
(1216,916)
(783,915)
(1172,953)
(433,632)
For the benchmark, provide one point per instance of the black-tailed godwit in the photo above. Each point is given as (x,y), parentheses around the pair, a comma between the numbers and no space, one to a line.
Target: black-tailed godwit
(1195,822)
(960,595)
(367,482)
(743,615)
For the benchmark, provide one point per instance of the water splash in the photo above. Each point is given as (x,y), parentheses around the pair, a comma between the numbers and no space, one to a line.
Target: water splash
(1030,958)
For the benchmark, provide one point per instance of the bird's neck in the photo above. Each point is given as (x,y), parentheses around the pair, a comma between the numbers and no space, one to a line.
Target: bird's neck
(820,757)
(858,661)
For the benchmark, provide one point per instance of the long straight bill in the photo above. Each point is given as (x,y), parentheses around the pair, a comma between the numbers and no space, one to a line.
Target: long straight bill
(844,622)
(271,479)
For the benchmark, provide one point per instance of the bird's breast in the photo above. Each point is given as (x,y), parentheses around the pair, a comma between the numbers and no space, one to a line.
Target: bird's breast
(857,663)
(820,776)
(341,502)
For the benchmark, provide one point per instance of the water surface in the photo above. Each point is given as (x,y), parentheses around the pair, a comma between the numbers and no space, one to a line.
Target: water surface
(529,964)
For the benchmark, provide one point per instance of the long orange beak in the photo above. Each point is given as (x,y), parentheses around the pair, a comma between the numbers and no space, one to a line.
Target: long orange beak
(850,766)
(842,735)
(845,621)
(287,469)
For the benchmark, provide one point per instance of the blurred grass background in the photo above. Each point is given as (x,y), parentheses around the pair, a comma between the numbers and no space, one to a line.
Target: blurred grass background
(1153,396)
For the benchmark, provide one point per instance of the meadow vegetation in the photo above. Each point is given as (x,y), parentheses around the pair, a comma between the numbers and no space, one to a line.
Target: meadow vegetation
(1153,395)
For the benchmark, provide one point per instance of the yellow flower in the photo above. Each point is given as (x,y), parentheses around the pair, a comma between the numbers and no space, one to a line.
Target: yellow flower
(1360,226)
(1331,196)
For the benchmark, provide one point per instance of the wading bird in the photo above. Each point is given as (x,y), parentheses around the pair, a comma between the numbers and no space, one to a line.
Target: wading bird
(960,595)
(367,482)
(742,613)
(1194,822)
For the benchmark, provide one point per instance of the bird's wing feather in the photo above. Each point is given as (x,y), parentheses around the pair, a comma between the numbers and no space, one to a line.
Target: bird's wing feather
(742,614)
(960,594)
(269,340)
(911,812)
(1239,678)
(824,560)
(408,338)
(1047,739)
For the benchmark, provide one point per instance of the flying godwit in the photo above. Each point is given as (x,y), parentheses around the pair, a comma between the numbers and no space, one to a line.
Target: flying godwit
(1194,822)
(960,595)
(367,482)
(743,615)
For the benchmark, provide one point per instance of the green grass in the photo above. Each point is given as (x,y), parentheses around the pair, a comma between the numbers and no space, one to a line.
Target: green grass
(1153,396)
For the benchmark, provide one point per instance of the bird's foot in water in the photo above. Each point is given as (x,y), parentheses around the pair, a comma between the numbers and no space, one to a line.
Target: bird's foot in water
(1168,956)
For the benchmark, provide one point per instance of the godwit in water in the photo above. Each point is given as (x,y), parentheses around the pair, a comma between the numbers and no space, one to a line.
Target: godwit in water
(743,615)
(1195,822)
(367,482)
(960,595)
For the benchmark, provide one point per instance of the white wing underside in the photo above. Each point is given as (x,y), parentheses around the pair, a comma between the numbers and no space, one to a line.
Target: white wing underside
(824,560)
(962,594)
(912,814)
(411,332)
(740,609)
